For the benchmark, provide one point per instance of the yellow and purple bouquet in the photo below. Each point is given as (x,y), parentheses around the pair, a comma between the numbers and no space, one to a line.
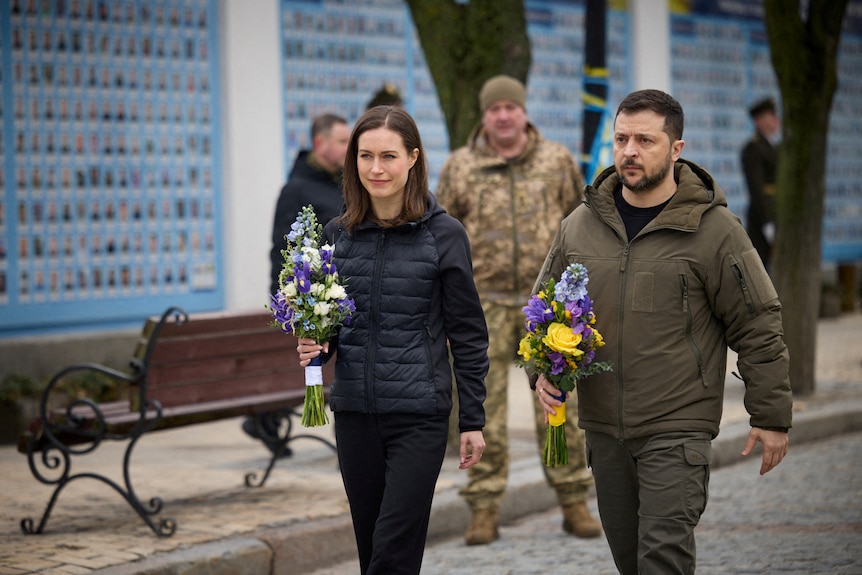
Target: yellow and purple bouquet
(311,302)
(561,344)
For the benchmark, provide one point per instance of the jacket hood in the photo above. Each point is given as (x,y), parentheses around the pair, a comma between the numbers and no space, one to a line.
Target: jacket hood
(696,193)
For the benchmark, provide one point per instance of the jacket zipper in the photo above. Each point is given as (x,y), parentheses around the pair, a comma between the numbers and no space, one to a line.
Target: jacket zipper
(740,279)
(624,273)
(372,321)
(686,310)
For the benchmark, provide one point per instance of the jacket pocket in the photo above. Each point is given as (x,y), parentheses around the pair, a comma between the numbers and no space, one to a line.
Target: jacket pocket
(689,337)
(697,455)
(743,285)
(429,353)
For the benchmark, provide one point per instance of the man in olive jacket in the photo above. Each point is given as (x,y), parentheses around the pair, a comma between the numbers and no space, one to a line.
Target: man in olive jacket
(674,281)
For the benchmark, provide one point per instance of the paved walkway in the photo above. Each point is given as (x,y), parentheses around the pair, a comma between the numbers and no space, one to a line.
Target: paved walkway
(299,521)
(803,518)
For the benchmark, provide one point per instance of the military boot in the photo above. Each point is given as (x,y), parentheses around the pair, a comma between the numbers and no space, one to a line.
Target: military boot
(578,521)
(483,527)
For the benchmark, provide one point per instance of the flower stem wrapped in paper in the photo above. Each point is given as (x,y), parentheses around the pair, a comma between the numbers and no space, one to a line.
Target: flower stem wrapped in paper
(561,344)
(310,302)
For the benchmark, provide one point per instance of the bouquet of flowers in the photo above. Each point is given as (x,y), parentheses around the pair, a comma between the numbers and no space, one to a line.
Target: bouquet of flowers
(561,344)
(310,302)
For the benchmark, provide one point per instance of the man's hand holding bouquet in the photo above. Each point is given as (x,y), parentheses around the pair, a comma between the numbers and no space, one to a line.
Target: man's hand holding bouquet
(560,344)
(311,302)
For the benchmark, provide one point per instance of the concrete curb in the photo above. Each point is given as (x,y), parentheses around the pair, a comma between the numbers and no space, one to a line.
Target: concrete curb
(226,557)
(294,549)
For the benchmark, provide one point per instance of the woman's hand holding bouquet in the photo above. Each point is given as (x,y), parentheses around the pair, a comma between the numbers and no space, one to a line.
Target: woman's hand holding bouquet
(311,303)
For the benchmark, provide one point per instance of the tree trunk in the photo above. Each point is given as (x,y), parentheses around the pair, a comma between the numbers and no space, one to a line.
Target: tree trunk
(465,43)
(804,55)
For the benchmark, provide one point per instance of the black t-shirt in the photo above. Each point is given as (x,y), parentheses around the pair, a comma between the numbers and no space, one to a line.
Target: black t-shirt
(634,218)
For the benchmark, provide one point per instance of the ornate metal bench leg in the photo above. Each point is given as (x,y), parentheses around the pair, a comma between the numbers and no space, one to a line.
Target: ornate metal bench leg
(166,526)
(51,462)
(279,446)
(268,427)
(56,459)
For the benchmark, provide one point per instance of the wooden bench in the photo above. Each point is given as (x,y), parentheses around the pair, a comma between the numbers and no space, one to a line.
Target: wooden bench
(185,370)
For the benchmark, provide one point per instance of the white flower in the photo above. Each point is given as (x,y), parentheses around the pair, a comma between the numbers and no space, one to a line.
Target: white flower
(335,292)
(289,290)
(322,309)
(312,256)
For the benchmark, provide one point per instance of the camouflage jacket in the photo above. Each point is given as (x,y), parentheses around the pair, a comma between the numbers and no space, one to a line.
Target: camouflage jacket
(511,209)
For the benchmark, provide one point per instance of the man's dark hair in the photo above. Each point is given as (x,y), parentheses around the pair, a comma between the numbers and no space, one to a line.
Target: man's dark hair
(323,124)
(762,106)
(659,102)
(387,95)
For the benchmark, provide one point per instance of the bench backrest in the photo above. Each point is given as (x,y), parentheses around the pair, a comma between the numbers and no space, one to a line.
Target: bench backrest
(219,356)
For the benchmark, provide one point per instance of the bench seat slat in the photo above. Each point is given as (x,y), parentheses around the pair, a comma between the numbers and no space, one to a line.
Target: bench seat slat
(226,367)
(225,343)
(204,323)
(187,414)
(120,419)
(224,389)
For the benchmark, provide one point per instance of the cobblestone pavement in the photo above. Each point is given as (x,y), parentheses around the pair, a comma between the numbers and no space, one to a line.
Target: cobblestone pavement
(803,517)
(299,520)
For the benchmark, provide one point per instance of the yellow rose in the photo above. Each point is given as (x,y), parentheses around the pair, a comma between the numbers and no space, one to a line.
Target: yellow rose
(561,339)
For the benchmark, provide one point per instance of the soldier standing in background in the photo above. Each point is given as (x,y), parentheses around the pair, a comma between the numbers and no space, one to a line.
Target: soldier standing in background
(511,188)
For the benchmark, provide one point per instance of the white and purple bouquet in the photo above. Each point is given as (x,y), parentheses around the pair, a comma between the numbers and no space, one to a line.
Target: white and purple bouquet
(561,344)
(311,302)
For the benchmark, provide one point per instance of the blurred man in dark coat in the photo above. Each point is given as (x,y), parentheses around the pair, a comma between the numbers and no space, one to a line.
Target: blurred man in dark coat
(759,164)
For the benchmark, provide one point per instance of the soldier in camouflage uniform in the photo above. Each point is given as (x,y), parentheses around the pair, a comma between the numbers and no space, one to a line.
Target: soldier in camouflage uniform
(511,188)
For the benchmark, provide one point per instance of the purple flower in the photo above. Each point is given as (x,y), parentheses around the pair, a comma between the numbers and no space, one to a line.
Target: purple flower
(558,362)
(326,264)
(573,284)
(537,312)
(282,312)
(303,281)
(573,308)
(346,305)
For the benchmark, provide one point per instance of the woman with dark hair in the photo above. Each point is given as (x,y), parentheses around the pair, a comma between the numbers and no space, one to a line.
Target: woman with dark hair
(409,271)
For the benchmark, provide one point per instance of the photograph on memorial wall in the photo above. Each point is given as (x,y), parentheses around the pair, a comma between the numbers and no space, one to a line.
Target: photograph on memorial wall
(113,204)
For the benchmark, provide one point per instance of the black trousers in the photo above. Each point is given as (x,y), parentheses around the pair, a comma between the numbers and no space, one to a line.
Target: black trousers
(390,465)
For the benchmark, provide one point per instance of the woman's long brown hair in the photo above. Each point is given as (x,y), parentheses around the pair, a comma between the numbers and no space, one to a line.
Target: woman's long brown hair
(357,202)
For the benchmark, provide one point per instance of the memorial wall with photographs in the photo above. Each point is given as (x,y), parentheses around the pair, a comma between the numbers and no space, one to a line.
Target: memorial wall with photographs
(108,162)
(110,184)
(337,54)
(721,65)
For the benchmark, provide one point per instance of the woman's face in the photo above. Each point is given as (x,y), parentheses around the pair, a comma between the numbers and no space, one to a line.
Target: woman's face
(383,164)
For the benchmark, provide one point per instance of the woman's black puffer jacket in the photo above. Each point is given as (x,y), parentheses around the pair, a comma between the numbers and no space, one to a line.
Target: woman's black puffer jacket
(414,292)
